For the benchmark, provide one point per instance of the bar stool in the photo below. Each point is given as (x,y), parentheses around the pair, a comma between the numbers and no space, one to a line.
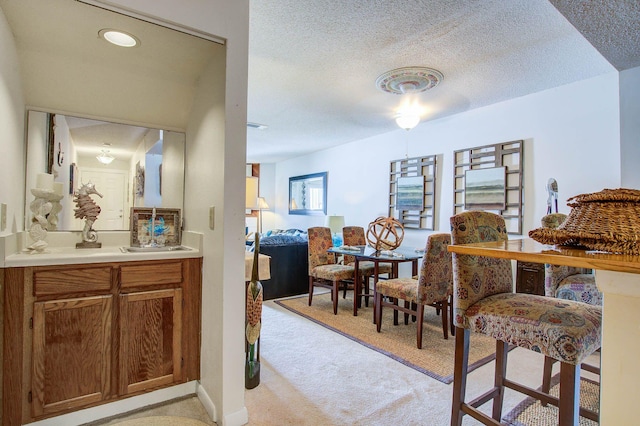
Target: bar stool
(484,302)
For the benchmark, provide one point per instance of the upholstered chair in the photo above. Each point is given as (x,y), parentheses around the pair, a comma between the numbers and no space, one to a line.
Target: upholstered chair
(354,236)
(323,269)
(570,283)
(484,302)
(432,287)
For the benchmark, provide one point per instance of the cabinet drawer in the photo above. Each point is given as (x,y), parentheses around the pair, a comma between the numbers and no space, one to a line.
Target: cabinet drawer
(151,274)
(72,280)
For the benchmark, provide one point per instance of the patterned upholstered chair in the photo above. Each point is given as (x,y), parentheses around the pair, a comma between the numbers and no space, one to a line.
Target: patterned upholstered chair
(484,302)
(432,288)
(354,236)
(323,269)
(570,283)
(567,282)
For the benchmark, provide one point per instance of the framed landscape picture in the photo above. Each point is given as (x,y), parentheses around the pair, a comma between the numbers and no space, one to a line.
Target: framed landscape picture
(410,193)
(485,188)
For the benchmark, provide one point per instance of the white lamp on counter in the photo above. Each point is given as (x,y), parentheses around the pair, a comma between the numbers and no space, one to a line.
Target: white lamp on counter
(335,223)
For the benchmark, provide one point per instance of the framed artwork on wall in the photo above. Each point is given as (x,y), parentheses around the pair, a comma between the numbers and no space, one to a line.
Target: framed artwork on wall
(308,194)
(410,194)
(485,188)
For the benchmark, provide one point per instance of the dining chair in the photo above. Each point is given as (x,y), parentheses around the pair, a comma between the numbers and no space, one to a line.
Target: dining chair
(432,287)
(484,302)
(323,269)
(569,283)
(354,236)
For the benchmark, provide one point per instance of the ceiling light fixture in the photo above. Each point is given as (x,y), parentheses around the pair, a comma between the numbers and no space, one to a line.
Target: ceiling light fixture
(407,120)
(105,158)
(407,81)
(119,38)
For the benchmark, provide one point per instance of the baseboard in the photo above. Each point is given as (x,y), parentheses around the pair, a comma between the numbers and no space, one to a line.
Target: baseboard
(206,402)
(118,408)
(239,418)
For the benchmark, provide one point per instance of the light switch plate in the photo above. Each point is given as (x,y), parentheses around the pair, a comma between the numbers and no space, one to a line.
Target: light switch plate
(212,216)
(3,217)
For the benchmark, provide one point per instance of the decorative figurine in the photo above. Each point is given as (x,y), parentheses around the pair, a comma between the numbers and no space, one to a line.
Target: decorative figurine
(552,189)
(40,207)
(88,210)
(385,233)
(254,323)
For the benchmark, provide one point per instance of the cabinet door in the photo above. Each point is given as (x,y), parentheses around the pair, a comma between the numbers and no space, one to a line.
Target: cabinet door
(150,339)
(71,353)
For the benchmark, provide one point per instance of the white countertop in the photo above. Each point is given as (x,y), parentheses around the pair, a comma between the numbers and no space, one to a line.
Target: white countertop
(67,254)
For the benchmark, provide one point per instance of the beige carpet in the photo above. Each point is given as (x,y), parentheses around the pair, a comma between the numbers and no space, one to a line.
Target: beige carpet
(435,359)
(531,413)
(161,421)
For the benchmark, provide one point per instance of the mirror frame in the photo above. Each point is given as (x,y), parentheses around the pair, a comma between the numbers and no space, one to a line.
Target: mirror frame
(306,179)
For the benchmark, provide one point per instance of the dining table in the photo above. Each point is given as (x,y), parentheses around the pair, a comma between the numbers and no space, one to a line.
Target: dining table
(367,253)
(618,278)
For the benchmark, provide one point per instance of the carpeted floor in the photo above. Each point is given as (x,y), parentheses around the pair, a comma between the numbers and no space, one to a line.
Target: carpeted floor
(531,413)
(435,359)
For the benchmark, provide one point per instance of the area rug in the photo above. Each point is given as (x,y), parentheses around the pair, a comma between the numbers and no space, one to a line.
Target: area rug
(436,357)
(531,413)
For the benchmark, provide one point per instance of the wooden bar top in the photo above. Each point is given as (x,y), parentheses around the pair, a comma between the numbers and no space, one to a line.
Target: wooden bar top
(529,250)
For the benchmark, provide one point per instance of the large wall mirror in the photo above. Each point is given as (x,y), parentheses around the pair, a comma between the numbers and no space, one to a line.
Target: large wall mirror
(76,75)
(308,194)
(131,166)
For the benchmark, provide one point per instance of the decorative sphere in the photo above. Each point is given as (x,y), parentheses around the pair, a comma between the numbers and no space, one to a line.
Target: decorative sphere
(385,233)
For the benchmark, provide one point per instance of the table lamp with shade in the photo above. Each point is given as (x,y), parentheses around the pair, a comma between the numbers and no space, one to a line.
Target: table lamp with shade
(335,223)
(262,205)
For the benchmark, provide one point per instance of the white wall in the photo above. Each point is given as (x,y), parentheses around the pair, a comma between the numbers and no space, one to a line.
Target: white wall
(570,133)
(12,139)
(630,127)
(216,157)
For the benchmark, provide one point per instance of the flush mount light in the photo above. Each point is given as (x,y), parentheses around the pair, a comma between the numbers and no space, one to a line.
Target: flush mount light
(119,38)
(105,158)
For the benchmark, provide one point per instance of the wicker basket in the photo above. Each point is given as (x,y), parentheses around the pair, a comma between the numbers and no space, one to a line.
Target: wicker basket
(608,220)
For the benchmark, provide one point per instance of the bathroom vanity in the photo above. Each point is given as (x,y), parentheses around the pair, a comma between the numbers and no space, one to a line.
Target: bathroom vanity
(86,327)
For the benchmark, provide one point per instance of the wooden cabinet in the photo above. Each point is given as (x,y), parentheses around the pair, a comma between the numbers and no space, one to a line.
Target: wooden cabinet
(83,335)
(530,278)
(71,353)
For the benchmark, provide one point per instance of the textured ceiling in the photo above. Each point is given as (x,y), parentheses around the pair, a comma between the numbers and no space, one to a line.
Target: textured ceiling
(313,63)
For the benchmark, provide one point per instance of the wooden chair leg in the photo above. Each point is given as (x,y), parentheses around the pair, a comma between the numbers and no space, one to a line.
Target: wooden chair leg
(420,317)
(460,368)
(395,312)
(546,376)
(335,297)
(366,290)
(453,328)
(445,318)
(569,409)
(310,289)
(502,349)
(406,315)
(378,311)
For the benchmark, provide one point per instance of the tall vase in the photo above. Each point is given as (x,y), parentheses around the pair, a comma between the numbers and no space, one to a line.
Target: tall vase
(253,324)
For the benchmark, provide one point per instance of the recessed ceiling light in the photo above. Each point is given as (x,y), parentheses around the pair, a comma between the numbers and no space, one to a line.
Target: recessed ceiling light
(119,38)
